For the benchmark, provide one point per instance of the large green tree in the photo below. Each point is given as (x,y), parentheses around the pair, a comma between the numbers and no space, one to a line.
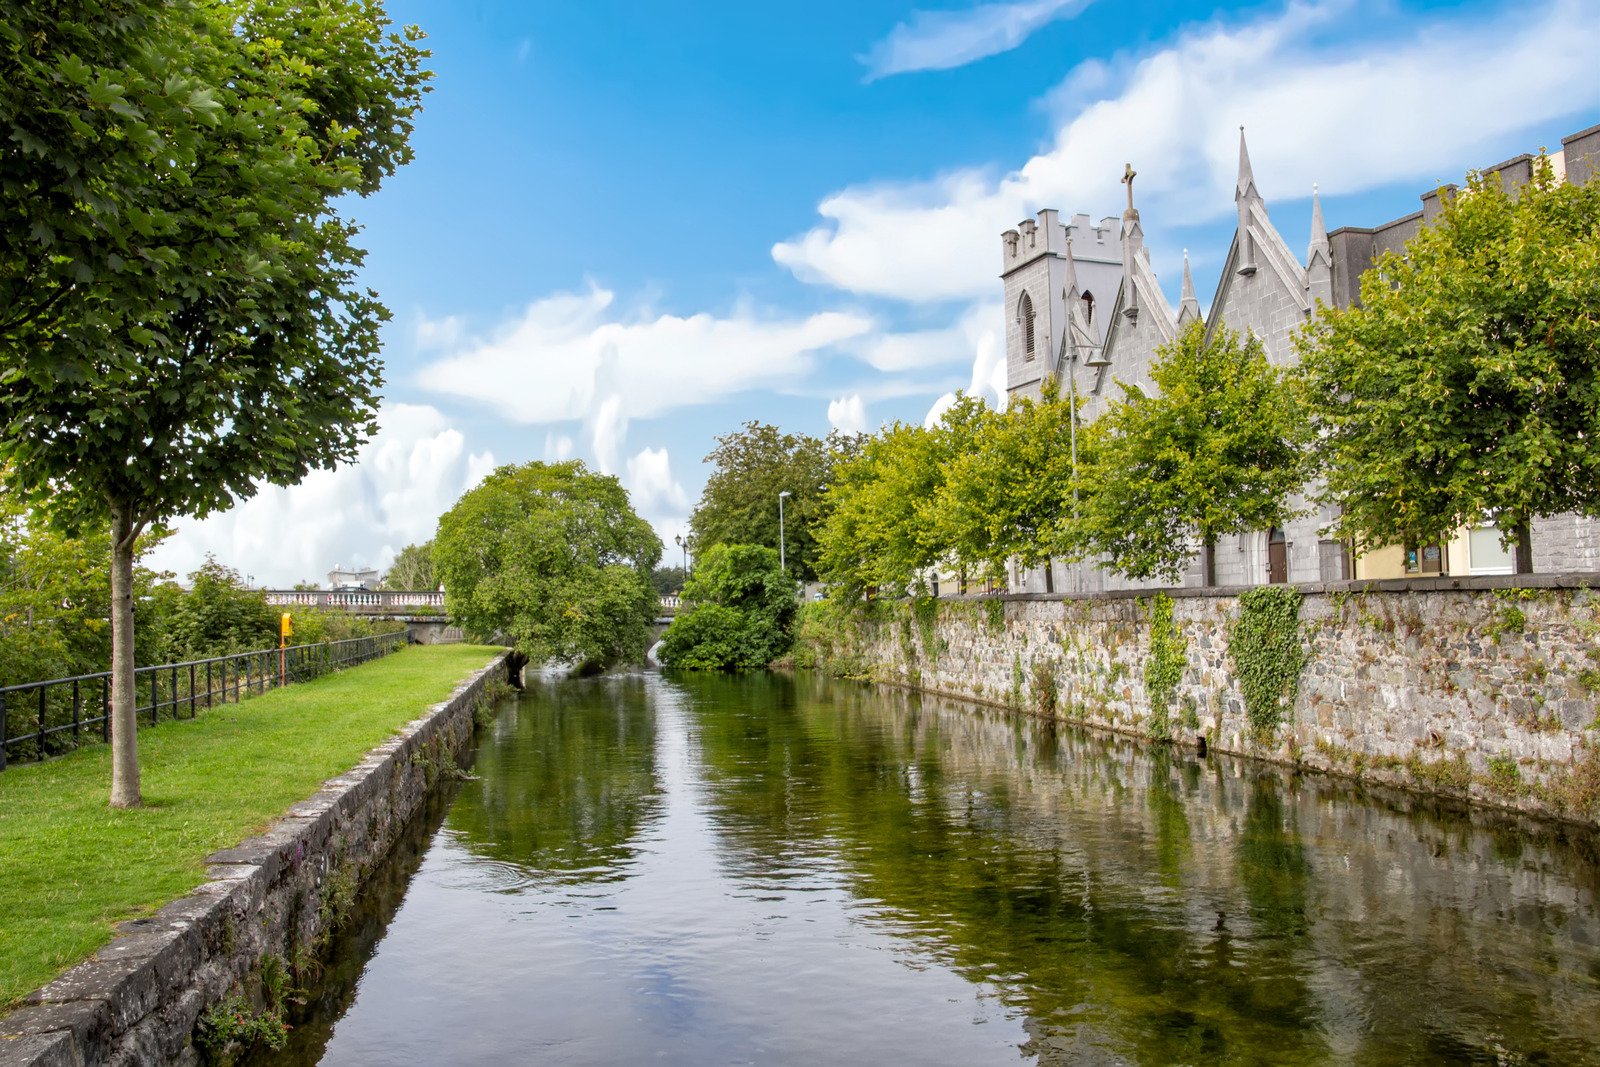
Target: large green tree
(1465,387)
(552,558)
(738,612)
(1005,497)
(190,326)
(750,467)
(882,530)
(412,568)
(1221,448)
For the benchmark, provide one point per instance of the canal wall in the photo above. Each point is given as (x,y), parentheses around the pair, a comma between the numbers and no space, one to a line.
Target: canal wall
(256,926)
(1480,688)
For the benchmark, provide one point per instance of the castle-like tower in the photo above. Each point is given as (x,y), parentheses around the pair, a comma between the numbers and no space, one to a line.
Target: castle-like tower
(1056,275)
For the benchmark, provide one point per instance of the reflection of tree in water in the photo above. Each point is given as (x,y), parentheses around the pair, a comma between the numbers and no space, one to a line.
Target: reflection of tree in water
(566,781)
(981,875)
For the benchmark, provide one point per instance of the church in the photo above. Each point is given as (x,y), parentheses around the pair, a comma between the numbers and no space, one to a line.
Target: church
(1083,304)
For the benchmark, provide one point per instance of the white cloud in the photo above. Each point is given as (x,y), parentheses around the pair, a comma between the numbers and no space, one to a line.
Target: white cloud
(941,40)
(848,414)
(439,333)
(1355,116)
(570,353)
(651,486)
(411,472)
(557,447)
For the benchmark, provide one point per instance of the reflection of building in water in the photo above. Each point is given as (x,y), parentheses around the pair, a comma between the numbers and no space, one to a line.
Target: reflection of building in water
(1083,303)
(1187,882)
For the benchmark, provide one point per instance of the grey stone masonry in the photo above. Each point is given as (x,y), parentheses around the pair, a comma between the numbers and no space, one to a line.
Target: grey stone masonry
(138,999)
(1481,688)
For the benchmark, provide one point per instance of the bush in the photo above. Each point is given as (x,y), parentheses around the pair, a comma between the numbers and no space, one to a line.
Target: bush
(738,613)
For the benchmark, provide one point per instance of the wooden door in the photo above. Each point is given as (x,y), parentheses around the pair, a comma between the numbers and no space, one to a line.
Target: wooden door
(1277,556)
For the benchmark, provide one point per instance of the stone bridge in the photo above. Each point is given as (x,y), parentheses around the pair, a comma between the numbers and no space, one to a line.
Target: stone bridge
(422,610)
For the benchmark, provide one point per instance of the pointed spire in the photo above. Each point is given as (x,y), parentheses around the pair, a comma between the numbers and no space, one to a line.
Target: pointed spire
(1189,306)
(1247,178)
(1069,291)
(1319,231)
(1319,258)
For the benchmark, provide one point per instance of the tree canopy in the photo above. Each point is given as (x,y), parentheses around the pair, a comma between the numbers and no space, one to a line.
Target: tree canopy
(552,558)
(1005,496)
(184,321)
(412,568)
(751,466)
(1465,387)
(1222,448)
(882,530)
(738,612)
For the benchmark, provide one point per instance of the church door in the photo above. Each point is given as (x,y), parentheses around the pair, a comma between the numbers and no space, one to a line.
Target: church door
(1277,557)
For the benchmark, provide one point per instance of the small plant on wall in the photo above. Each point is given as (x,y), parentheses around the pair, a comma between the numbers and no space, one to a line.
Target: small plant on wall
(1164,669)
(1268,655)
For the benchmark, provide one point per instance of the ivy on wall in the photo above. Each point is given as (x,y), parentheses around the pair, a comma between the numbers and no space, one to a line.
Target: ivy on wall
(1164,670)
(1264,643)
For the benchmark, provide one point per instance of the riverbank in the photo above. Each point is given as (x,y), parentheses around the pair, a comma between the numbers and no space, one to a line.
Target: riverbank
(1480,689)
(71,868)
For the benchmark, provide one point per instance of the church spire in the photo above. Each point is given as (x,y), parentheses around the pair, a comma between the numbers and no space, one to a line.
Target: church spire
(1319,231)
(1189,307)
(1319,257)
(1246,186)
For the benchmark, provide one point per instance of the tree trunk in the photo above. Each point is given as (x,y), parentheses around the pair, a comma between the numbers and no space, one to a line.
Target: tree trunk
(1522,555)
(1208,562)
(124,723)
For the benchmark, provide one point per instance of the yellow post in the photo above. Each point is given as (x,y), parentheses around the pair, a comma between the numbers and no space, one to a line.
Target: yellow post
(285,630)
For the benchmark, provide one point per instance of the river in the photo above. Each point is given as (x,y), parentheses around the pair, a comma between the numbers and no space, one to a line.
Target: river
(773,869)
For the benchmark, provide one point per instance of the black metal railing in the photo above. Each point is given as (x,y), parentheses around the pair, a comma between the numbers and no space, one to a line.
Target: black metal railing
(43,719)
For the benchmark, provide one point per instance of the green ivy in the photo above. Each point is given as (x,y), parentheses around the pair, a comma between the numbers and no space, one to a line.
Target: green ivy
(995,609)
(1267,653)
(926,610)
(1164,670)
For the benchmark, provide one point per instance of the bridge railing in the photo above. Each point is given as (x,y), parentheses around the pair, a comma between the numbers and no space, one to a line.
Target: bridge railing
(377,600)
(43,719)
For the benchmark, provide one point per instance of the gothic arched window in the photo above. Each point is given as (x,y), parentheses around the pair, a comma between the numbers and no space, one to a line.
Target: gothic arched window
(1088,306)
(1025,318)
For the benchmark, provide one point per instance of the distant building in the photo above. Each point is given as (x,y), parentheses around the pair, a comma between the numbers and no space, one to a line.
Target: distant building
(353,577)
(1082,303)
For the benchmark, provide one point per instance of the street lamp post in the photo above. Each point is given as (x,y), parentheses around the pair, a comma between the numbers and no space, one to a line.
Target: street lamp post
(684,546)
(783,557)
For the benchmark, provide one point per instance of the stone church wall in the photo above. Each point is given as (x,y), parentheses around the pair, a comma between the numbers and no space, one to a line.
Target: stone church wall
(1484,688)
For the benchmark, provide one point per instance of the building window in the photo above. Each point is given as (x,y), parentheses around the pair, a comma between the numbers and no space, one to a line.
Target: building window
(1426,559)
(1088,306)
(1025,317)
(1485,555)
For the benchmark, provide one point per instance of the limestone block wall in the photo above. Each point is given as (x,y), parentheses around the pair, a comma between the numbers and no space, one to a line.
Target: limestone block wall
(139,999)
(1484,688)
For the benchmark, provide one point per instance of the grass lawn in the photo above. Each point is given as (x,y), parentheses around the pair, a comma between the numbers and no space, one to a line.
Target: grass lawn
(70,866)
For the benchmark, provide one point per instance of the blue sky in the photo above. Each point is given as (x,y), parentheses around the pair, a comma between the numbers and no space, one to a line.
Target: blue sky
(632,226)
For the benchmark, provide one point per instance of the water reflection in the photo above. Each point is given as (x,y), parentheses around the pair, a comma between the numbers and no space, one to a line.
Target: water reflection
(710,869)
(565,781)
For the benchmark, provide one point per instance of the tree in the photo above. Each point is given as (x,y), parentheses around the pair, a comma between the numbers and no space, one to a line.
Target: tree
(553,558)
(1219,450)
(739,612)
(1005,497)
(192,327)
(216,615)
(668,580)
(1465,388)
(882,531)
(739,504)
(412,568)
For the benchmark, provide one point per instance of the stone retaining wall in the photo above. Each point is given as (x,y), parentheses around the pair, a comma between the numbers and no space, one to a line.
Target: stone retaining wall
(1474,687)
(139,999)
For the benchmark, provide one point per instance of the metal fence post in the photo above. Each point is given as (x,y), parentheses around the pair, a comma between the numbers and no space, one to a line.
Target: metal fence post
(2,731)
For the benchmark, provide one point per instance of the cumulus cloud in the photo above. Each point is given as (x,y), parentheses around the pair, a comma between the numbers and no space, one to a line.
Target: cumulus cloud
(848,414)
(439,333)
(942,40)
(652,487)
(568,354)
(411,472)
(1352,116)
